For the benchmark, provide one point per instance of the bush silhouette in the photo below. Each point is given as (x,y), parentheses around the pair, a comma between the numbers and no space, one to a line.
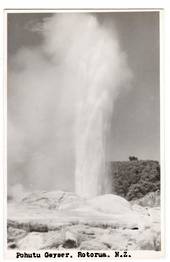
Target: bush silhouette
(134,179)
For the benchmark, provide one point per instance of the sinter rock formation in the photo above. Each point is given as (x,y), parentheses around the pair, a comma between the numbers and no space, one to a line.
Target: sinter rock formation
(57,220)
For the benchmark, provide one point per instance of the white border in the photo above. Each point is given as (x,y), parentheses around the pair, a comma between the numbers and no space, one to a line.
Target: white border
(12,254)
(162,128)
(165,128)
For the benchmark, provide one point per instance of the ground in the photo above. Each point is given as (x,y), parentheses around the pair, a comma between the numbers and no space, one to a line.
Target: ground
(61,220)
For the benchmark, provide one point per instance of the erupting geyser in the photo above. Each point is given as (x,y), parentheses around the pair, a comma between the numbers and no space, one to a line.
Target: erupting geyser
(71,82)
(102,70)
(94,70)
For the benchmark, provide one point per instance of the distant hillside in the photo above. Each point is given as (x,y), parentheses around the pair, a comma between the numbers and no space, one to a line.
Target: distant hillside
(134,179)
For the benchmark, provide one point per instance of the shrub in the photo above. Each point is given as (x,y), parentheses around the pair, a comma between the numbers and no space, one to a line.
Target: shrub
(134,179)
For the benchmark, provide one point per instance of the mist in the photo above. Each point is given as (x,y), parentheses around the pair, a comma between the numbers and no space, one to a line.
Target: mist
(60,101)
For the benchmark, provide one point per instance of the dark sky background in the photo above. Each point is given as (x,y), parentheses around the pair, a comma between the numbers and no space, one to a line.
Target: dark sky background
(135,127)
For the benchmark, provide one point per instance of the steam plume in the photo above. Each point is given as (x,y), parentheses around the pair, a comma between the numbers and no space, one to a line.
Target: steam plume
(61,103)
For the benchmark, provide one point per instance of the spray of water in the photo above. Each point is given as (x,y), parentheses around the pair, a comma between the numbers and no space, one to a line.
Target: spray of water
(100,69)
(84,69)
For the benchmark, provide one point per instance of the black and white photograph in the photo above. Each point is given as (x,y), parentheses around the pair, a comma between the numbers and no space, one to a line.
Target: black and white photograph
(83,133)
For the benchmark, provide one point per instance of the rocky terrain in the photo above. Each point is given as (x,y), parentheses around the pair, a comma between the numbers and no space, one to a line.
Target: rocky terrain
(61,220)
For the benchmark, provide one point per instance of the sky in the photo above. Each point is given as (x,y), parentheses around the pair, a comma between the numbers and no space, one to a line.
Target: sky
(36,132)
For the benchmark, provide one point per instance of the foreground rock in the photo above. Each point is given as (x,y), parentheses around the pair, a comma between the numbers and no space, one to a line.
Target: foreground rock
(57,220)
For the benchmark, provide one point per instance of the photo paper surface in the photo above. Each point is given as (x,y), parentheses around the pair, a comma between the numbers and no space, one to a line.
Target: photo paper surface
(83,134)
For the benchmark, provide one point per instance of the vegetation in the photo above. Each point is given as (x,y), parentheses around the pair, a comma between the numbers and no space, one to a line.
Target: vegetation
(135,178)
(133,158)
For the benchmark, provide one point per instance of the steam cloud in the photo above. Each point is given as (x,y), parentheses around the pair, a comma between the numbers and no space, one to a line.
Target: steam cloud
(60,102)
